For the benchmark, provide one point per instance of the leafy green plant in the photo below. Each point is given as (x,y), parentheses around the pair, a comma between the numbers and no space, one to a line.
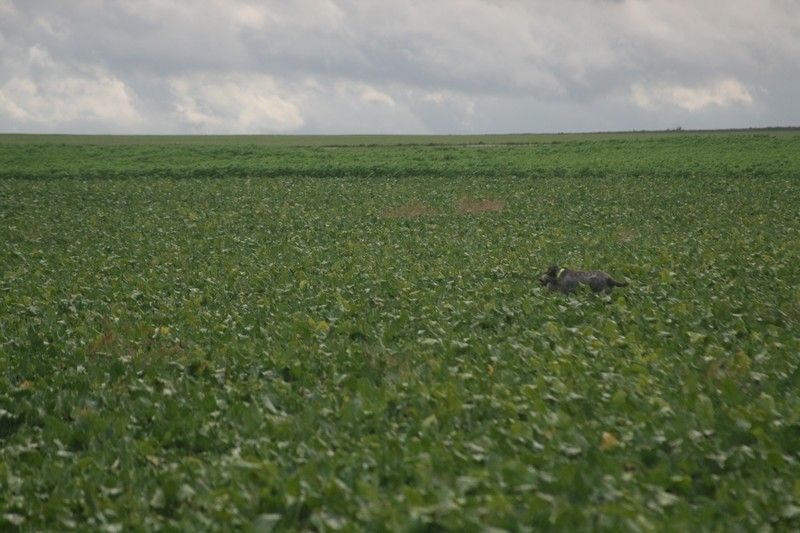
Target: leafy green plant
(350,334)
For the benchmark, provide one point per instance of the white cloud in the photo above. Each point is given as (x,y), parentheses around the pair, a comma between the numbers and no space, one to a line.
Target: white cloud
(722,93)
(317,15)
(243,103)
(225,14)
(45,95)
(397,65)
(6,7)
(371,94)
(91,97)
(459,101)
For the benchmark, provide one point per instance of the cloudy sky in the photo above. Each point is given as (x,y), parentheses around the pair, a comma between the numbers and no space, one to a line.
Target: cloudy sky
(384,66)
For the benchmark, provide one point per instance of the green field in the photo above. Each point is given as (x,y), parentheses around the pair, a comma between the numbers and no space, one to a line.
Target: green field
(348,333)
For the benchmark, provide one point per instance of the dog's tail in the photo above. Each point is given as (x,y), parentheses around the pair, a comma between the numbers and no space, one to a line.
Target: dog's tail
(616,283)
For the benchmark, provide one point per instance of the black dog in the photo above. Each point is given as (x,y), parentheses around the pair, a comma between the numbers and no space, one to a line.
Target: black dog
(566,281)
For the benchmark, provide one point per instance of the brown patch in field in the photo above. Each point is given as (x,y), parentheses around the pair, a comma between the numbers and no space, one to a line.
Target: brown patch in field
(101,342)
(626,234)
(131,340)
(409,210)
(486,205)
(735,368)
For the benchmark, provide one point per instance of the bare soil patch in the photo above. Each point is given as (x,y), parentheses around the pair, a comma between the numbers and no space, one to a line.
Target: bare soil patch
(470,205)
(626,234)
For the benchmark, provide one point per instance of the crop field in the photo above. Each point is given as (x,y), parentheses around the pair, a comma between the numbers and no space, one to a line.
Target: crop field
(348,333)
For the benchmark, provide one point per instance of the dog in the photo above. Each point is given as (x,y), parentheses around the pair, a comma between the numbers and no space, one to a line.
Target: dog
(562,279)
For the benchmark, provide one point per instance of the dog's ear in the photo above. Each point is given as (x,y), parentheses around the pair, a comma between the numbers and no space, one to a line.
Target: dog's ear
(552,270)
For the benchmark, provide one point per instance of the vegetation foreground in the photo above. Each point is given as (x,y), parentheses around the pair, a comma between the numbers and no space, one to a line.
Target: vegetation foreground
(349,333)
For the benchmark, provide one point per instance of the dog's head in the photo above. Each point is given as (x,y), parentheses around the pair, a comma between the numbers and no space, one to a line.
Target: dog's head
(550,275)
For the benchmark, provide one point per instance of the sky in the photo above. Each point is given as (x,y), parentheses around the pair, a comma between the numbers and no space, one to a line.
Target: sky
(396,67)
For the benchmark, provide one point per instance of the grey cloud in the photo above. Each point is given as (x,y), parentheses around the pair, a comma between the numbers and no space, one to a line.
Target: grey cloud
(452,66)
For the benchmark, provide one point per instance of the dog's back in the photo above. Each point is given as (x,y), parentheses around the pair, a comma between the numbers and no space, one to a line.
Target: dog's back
(566,281)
